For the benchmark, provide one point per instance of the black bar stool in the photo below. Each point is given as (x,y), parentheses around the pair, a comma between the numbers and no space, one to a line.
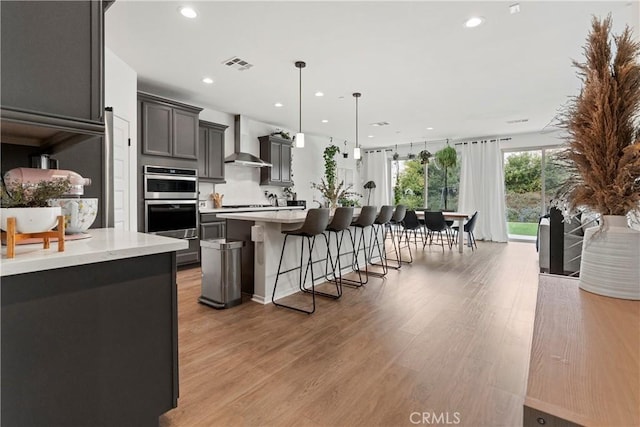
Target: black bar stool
(340,223)
(396,234)
(382,222)
(314,224)
(365,219)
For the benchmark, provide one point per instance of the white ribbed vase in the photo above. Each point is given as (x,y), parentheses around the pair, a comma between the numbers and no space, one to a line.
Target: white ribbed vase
(611,259)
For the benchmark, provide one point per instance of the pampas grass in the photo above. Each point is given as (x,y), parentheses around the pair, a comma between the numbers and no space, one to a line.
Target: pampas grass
(602,125)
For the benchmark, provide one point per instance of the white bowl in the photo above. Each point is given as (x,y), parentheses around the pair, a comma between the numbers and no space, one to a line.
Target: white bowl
(31,220)
(79,214)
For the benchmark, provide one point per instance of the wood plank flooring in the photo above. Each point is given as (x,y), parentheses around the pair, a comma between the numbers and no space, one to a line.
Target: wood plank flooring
(446,338)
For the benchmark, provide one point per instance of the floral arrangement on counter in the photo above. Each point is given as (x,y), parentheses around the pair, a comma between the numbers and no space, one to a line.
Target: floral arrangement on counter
(331,191)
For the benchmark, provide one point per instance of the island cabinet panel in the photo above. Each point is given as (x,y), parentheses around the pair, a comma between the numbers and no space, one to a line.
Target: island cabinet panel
(211,151)
(93,344)
(276,151)
(168,128)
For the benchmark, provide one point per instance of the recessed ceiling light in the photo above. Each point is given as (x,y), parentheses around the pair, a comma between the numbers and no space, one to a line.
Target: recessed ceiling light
(325,121)
(277,104)
(429,128)
(370,136)
(188,12)
(319,93)
(514,8)
(474,21)
(207,80)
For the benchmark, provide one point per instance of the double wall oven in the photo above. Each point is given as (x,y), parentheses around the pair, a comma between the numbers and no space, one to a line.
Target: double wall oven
(171,202)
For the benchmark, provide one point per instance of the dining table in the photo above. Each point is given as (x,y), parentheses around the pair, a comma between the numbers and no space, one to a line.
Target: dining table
(461,217)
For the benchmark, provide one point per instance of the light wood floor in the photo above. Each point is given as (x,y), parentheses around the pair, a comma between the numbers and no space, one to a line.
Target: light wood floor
(449,334)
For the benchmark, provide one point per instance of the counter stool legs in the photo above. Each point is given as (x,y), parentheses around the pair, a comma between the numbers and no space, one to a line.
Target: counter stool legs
(374,242)
(328,260)
(337,279)
(313,295)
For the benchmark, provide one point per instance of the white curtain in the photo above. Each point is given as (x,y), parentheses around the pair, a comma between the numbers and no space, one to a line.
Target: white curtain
(377,170)
(482,189)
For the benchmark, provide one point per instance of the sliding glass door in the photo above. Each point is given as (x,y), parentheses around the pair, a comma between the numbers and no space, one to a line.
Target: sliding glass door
(531,179)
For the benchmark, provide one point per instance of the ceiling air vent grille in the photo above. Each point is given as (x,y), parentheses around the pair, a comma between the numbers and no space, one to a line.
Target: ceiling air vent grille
(237,63)
(380,124)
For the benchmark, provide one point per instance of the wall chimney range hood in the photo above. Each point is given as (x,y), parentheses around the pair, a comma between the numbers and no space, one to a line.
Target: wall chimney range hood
(239,157)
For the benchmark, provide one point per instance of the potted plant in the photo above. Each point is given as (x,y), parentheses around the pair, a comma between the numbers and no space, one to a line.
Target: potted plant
(603,151)
(281,134)
(331,190)
(446,158)
(29,204)
(424,156)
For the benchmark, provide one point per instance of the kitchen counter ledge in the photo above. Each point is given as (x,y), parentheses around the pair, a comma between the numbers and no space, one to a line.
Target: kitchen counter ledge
(105,244)
(258,209)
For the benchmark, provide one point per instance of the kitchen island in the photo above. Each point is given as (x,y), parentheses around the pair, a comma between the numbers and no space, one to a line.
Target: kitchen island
(264,229)
(89,335)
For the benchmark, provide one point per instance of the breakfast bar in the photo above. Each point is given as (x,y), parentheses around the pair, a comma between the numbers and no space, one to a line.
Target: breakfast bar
(89,335)
(265,232)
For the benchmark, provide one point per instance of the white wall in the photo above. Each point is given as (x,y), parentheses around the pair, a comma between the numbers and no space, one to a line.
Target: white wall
(120,92)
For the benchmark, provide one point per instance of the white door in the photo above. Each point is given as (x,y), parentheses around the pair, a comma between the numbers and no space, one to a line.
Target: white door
(121,205)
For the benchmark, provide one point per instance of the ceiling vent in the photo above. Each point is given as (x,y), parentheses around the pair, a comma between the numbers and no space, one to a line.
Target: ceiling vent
(380,124)
(511,122)
(237,63)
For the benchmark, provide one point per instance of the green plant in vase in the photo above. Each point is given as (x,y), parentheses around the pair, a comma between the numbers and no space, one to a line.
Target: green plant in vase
(331,190)
(29,204)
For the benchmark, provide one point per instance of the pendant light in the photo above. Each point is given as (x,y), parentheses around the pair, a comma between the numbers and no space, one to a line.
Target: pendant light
(356,151)
(299,138)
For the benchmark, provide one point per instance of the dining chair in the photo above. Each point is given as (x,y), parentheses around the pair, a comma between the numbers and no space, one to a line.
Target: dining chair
(434,222)
(468,228)
(410,225)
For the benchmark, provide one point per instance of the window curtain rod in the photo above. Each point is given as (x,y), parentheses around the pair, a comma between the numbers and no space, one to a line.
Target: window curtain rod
(406,144)
(483,141)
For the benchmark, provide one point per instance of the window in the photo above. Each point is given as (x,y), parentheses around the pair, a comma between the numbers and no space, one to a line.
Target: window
(408,183)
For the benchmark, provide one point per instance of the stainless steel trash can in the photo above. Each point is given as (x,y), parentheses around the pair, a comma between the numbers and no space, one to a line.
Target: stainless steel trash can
(221,272)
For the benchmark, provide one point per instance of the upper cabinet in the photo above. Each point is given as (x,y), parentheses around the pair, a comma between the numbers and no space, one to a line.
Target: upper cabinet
(51,71)
(276,151)
(211,150)
(168,128)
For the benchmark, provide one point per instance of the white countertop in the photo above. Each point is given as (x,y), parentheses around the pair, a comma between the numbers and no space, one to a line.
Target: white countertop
(281,217)
(105,244)
(263,209)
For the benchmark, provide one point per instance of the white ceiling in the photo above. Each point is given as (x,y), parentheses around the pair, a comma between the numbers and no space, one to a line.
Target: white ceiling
(414,62)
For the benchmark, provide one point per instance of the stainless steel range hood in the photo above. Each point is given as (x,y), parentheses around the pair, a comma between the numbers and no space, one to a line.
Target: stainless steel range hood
(239,157)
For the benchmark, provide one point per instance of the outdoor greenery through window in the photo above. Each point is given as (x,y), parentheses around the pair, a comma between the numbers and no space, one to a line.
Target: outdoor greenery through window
(531,179)
(408,177)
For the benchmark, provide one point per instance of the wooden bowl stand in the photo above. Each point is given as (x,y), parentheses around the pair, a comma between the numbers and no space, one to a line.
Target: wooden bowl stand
(13,237)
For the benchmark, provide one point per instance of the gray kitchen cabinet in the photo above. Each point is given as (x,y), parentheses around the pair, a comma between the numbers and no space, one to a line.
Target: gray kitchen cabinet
(211,150)
(51,71)
(276,151)
(169,128)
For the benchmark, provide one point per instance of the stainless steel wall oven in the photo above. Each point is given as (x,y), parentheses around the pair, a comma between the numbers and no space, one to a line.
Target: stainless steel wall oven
(171,201)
